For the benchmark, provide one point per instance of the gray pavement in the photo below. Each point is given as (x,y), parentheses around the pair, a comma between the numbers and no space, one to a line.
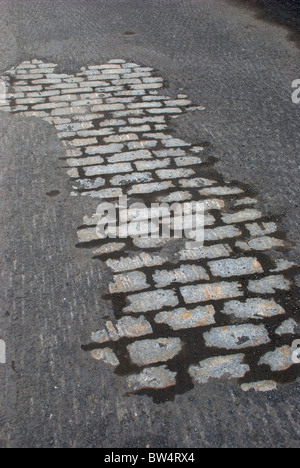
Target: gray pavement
(239,65)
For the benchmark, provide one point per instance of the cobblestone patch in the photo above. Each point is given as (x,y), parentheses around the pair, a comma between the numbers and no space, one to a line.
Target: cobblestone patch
(181,307)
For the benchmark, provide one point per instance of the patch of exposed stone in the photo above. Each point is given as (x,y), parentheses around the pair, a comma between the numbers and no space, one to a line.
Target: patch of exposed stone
(200,313)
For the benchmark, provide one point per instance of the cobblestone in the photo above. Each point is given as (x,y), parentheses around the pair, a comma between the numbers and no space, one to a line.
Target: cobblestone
(185,274)
(130,156)
(179,319)
(110,169)
(256,230)
(147,352)
(109,248)
(209,292)
(262,243)
(149,301)
(253,309)
(242,216)
(106,193)
(231,367)
(240,267)
(174,173)
(150,188)
(118,142)
(131,178)
(269,285)
(152,377)
(220,191)
(134,281)
(126,327)
(263,386)
(106,355)
(289,327)
(214,251)
(220,233)
(196,183)
(133,263)
(237,337)
(187,161)
(105,149)
(278,360)
(150,165)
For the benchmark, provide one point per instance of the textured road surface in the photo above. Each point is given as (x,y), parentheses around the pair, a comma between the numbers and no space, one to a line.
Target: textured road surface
(240,68)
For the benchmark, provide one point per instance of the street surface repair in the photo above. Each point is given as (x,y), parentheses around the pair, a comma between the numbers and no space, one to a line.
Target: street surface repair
(149,341)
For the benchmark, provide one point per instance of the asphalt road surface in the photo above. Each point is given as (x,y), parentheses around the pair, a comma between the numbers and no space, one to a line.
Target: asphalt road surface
(237,60)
